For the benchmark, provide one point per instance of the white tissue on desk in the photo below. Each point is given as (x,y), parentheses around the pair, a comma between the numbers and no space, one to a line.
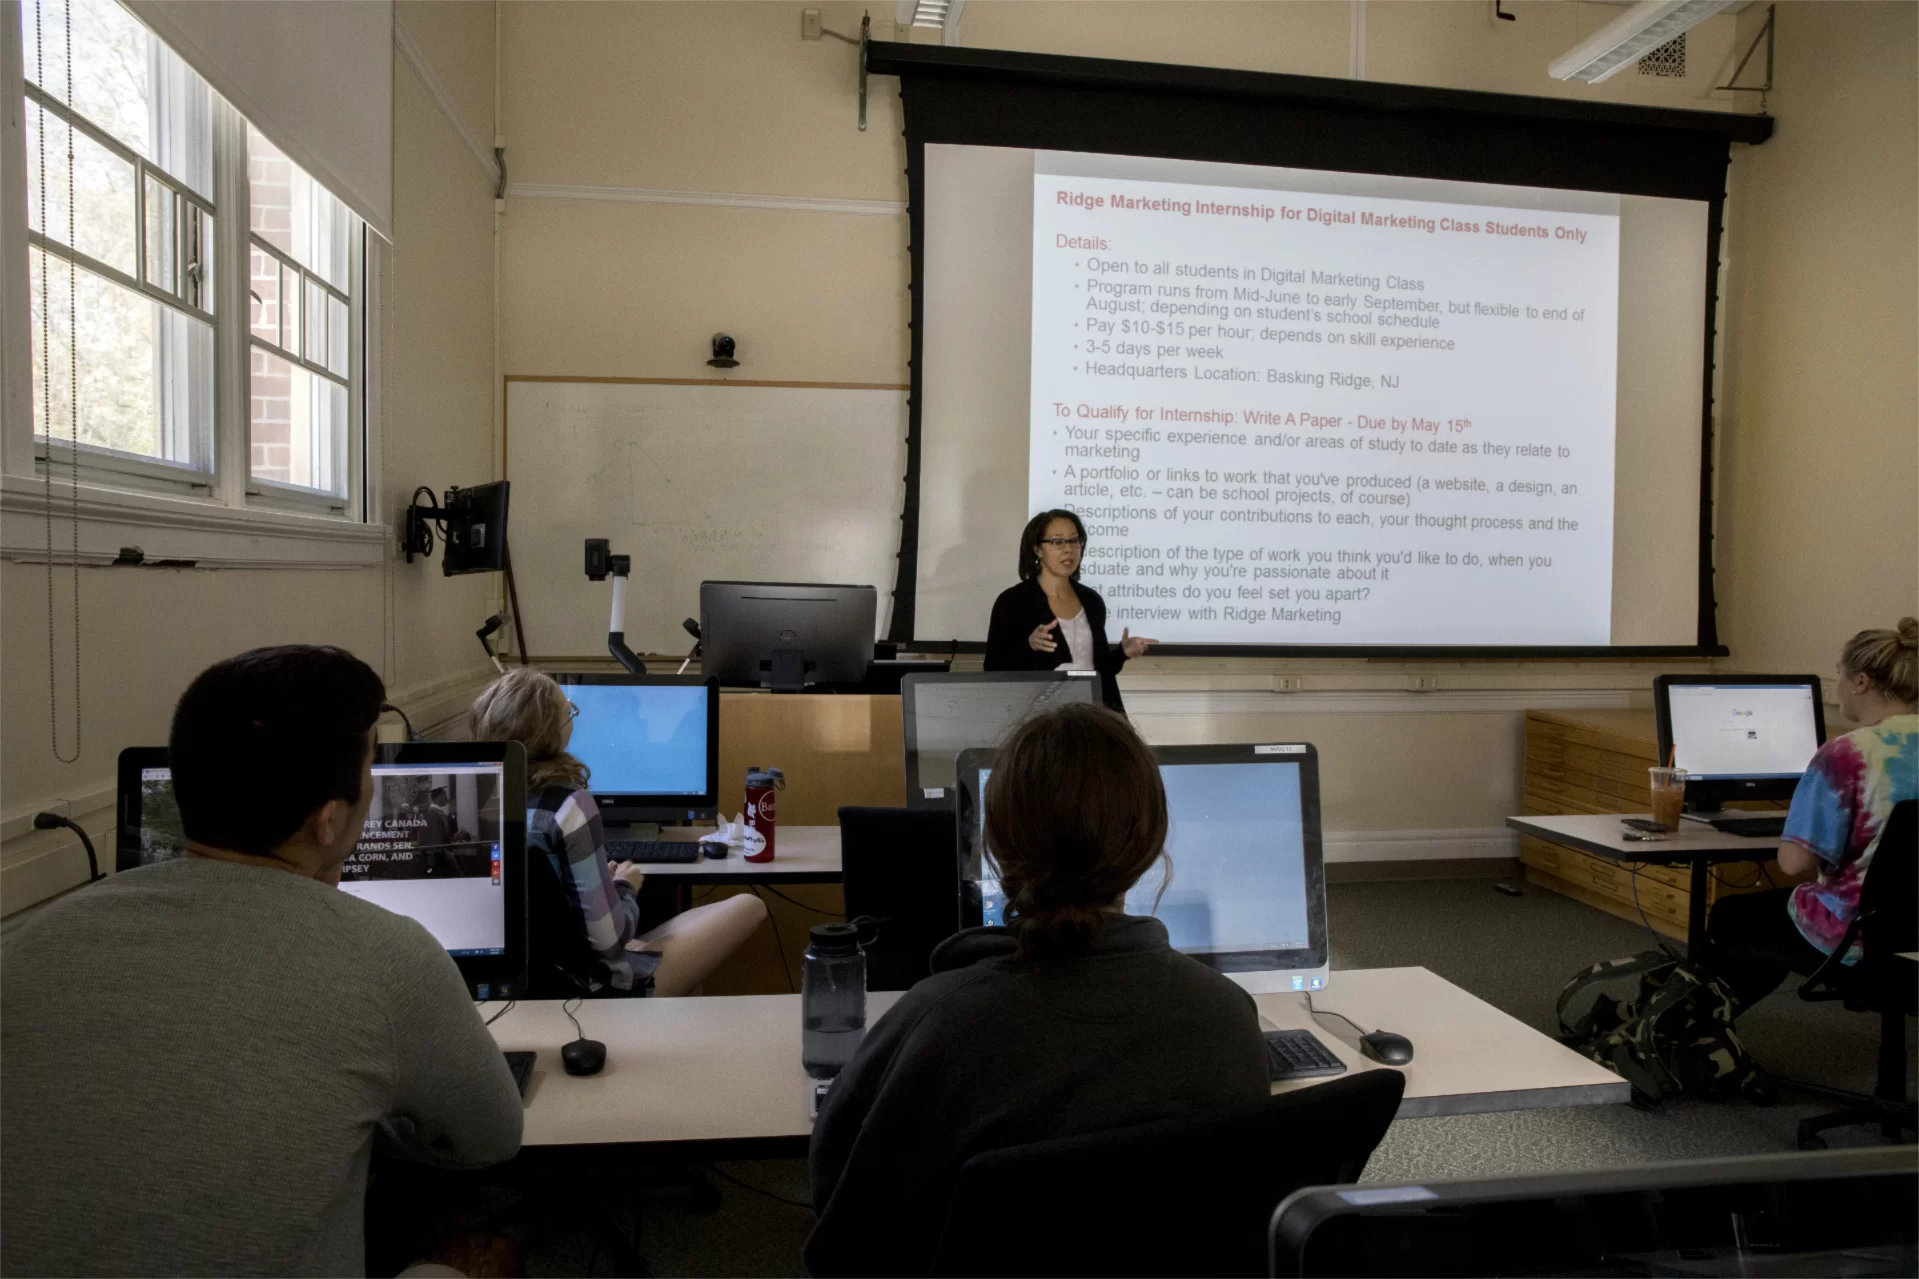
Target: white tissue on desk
(731,833)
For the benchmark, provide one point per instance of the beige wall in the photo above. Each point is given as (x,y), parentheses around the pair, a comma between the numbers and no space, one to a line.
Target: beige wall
(1819,482)
(147,632)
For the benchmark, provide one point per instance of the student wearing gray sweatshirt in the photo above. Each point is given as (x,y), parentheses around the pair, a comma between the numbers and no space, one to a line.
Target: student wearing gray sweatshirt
(196,1057)
(1074,1018)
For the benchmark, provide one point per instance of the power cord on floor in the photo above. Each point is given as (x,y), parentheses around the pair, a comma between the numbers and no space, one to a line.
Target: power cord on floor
(727,1176)
(835,914)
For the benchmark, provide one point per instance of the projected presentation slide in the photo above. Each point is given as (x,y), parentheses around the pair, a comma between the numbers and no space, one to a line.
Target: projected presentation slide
(641,739)
(430,850)
(1742,730)
(1306,407)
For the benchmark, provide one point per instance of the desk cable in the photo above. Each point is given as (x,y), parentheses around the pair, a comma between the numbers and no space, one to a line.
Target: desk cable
(503,1012)
(1330,1013)
(566,1006)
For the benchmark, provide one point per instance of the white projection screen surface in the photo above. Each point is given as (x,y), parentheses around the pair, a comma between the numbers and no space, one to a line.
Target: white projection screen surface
(1301,407)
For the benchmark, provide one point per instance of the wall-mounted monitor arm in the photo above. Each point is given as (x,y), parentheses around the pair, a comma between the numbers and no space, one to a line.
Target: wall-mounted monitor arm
(600,565)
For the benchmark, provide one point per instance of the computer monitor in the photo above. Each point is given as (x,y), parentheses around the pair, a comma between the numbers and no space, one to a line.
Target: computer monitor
(1738,736)
(651,744)
(786,635)
(444,844)
(1247,894)
(942,715)
(475,529)
(1829,1212)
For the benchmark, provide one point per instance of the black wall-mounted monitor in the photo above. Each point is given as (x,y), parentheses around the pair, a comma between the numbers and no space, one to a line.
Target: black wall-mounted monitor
(651,744)
(1739,736)
(444,844)
(475,529)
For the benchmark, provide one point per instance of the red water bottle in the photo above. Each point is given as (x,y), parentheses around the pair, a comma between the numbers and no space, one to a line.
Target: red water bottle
(761,784)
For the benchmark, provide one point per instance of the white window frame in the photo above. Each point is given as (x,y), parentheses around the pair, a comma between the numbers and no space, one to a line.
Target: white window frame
(222,517)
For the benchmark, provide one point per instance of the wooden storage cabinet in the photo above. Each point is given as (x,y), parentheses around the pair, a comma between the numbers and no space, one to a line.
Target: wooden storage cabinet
(1596,762)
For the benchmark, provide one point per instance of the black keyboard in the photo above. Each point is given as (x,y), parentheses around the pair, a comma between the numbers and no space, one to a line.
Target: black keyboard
(1751,827)
(1298,1054)
(652,850)
(521,1064)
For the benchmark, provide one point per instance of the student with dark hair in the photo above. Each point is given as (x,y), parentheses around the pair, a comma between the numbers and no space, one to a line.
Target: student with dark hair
(198,1055)
(1075,1017)
(1050,620)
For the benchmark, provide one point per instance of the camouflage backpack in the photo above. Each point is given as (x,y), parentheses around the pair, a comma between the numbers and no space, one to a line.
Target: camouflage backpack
(1673,1034)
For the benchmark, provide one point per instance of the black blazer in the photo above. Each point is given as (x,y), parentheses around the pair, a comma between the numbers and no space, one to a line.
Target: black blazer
(1022,609)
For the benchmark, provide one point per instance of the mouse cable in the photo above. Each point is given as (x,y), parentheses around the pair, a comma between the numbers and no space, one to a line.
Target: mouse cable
(566,1006)
(503,1012)
(724,1175)
(1330,1013)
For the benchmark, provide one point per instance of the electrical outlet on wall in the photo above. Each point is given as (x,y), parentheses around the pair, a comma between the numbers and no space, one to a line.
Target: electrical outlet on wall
(1286,683)
(809,24)
(1425,683)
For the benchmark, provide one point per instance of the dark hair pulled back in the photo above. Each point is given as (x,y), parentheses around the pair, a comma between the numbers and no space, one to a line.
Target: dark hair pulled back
(1030,536)
(1075,814)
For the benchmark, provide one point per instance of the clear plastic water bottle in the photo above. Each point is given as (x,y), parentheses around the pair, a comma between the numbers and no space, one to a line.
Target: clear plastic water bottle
(832,999)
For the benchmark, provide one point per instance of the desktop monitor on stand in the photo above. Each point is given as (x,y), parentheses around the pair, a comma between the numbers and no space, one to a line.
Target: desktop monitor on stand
(651,744)
(942,715)
(1248,896)
(444,844)
(786,635)
(1738,737)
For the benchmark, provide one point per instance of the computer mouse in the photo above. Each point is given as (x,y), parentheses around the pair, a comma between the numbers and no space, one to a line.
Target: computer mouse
(1381,1045)
(586,1056)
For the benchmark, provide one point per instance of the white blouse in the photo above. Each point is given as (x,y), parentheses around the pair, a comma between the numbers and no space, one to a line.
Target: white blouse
(1078,634)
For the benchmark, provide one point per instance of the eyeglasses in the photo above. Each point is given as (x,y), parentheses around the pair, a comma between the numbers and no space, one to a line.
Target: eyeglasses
(1061,543)
(574,710)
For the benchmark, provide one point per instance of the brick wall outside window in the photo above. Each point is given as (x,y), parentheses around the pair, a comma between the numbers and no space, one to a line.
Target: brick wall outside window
(271,407)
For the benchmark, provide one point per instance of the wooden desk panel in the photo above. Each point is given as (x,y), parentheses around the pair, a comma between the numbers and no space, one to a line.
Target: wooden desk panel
(834,749)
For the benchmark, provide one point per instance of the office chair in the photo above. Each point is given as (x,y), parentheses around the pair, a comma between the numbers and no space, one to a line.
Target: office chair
(1881,982)
(560,962)
(901,868)
(1172,1197)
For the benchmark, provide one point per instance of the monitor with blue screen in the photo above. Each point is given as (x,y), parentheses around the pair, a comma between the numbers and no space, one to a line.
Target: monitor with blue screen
(1247,891)
(650,744)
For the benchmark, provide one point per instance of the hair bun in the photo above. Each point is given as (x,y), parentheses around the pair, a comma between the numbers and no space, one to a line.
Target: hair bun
(1908,629)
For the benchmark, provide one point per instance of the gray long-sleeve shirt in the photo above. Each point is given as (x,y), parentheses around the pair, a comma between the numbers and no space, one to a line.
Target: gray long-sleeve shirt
(195,1058)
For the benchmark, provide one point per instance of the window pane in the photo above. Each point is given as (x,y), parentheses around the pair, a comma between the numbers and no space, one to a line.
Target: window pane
(111,64)
(103,225)
(264,284)
(290,308)
(299,425)
(163,236)
(316,321)
(338,330)
(295,214)
(145,370)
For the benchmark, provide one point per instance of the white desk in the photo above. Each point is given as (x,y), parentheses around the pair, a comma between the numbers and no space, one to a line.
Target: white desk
(725,1071)
(801,855)
(1694,843)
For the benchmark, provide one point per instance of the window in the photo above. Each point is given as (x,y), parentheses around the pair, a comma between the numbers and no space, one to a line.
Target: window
(164,382)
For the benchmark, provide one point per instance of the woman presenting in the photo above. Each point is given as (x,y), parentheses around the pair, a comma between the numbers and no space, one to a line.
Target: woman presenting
(1049,621)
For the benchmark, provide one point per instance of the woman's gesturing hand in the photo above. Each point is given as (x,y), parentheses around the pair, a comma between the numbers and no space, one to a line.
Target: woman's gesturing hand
(1042,642)
(1133,645)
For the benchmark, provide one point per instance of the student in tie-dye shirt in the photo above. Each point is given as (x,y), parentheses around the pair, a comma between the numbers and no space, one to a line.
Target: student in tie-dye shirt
(1833,830)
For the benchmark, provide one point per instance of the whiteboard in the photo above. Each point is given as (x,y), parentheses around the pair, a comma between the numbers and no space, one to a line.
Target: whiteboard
(702,481)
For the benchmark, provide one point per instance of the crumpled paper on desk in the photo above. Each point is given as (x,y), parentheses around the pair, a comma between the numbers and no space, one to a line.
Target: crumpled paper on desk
(732,832)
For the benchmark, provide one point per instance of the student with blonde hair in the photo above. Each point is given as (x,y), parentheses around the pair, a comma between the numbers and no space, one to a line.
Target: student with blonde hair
(1834,827)
(563,825)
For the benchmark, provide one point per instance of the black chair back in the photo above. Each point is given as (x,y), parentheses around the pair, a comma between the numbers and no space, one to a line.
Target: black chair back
(561,963)
(1174,1197)
(1889,897)
(901,867)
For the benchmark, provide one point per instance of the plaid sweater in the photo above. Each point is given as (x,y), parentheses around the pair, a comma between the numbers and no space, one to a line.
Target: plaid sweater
(563,824)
